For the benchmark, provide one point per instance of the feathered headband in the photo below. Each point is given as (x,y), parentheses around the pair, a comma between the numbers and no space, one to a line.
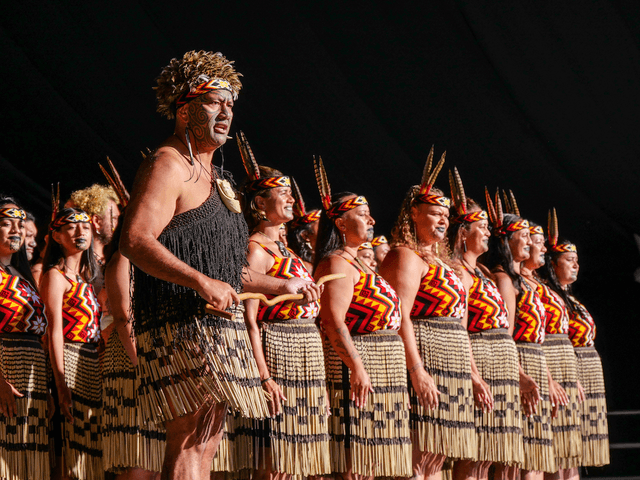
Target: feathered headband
(536,230)
(256,183)
(459,200)
(13,212)
(553,236)
(195,74)
(300,214)
(496,217)
(58,221)
(381,240)
(116,182)
(365,246)
(337,209)
(428,179)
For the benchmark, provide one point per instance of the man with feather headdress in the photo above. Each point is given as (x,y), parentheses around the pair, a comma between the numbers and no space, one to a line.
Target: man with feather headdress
(186,236)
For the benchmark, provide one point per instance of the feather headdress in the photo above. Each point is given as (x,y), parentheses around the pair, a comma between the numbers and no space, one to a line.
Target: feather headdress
(337,209)
(429,179)
(116,182)
(496,216)
(255,183)
(510,204)
(554,235)
(460,201)
(301,217)
(195,74)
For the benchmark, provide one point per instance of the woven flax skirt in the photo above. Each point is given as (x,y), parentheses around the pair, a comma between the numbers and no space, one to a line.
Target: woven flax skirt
(127,441)
(179,375)
(499,431)
(82,441)
(595,429)
(377,436)
(562,363)
(539,454)
(24,438)
(450,429)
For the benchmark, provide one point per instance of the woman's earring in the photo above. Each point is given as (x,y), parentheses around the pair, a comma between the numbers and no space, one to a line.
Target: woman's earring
(464,245)
(437,248)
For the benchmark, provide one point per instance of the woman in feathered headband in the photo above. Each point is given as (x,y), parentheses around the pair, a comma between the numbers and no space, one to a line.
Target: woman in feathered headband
(74,318)
(24,432)
(366,372)
(433,329)
(561,271)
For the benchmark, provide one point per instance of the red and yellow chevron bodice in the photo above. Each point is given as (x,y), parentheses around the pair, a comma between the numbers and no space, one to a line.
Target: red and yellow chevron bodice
(81,313)
(21,309)
(530,317)
(557,320)
(486,306)
(441,294)
(287,267)
(582,327)
(374,305)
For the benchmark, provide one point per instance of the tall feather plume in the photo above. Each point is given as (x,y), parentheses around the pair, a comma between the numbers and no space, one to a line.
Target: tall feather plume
(506,202)
(552,227)
(55,201)
(323,183)
(248,160)
(431,175)
(514,205)
(116,182)
(457,192)
(298,207)
(499,211)
(427,167)
(491,210)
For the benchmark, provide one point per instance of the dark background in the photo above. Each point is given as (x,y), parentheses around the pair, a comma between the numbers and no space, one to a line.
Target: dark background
(541,97)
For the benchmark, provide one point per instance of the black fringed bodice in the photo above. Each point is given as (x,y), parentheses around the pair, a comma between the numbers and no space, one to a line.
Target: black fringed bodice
(210,239)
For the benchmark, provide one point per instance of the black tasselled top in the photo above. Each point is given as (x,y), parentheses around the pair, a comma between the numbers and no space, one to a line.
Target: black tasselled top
(212,240)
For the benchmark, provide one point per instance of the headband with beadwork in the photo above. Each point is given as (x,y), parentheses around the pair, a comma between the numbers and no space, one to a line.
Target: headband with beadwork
(459,200)
(496,217)
(536,230)
(206,87)
(256,183)
(333,210)
(553,236)
(365,246)
(381,240)
(13,212)
(428,179)
(73,217)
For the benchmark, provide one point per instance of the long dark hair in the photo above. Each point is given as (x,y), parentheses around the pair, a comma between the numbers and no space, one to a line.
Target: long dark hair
(548,274)
(329,238)
(19,259)
(499,254)
(297,243)
(54,256)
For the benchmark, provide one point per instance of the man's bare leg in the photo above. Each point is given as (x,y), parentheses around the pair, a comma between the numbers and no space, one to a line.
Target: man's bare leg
(192,441)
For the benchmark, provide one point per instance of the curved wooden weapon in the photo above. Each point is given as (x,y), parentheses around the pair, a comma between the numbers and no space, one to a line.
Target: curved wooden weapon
(270,302)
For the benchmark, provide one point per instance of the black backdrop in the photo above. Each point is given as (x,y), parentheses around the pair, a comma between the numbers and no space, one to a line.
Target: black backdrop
(540,97)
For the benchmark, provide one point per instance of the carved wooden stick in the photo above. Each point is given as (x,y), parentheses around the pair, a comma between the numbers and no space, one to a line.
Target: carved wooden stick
(280,298)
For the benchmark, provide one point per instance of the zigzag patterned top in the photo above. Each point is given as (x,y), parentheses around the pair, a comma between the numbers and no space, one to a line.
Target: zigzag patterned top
(557,316)
(21,308)
(374,305)
(530,317)
(582,327)
(81,313)
(486,306)
(291,267)
(441,294)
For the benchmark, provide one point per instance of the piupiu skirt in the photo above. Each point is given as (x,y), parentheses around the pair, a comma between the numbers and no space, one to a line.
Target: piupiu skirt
(82,440)
(595,428)
(127,441)
(24,438)
(499,431)
(237,449)
(539,454)
(450,429)
(215,364)
(376,436)
(562,363)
